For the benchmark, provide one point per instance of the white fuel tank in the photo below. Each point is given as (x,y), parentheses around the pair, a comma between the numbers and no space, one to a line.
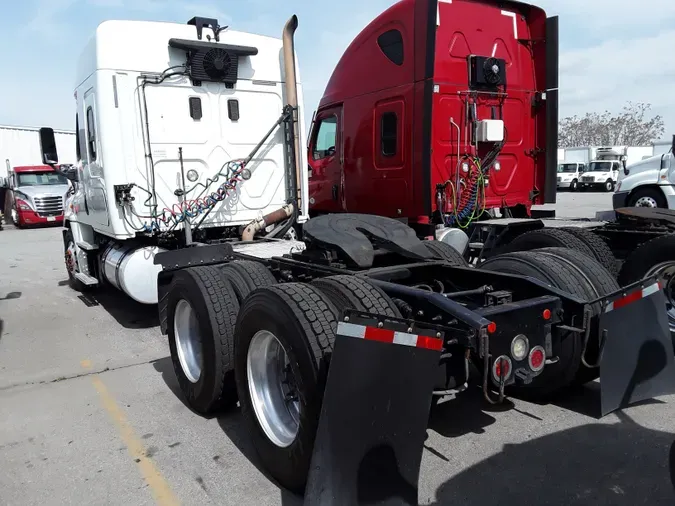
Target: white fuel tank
(131,268)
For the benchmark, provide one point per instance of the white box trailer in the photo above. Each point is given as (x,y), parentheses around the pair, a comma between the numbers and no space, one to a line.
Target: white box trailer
(20,145)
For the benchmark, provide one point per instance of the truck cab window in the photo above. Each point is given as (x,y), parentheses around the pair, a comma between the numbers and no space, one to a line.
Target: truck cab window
(326,136)
(91,135)
(78,153)
(389,133)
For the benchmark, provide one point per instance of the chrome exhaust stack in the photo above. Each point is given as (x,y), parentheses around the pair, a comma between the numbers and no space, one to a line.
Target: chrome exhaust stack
(292,98)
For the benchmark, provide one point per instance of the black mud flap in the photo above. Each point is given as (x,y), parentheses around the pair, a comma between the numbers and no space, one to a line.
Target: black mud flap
(636,361)
(375,412)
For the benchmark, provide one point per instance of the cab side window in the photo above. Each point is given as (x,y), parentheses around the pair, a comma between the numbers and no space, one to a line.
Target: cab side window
(325,139)
(91,135)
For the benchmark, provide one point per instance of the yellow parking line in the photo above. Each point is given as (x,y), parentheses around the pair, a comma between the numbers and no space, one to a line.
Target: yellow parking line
(161,491)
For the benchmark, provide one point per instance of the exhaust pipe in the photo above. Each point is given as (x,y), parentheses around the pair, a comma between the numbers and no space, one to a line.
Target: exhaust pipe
(270,219)
(292,97)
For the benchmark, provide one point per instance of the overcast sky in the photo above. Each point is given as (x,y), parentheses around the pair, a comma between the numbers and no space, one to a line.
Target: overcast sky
(611,52)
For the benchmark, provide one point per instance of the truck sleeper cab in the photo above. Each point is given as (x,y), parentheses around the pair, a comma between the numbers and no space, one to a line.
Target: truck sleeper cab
(430,119)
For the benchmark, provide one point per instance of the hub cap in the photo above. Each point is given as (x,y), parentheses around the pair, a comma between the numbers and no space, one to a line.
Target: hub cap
(274,394)
(188,341)
(666,271)
(646,202)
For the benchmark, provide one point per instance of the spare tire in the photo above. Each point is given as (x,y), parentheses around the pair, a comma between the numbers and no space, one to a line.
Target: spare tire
(567,345)
(548,238)
(444,251)
(601,251)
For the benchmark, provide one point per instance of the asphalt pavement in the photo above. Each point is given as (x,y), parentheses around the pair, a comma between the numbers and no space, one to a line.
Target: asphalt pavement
(90,413)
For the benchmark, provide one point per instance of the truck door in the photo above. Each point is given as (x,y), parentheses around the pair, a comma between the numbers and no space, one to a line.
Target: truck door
(325,161)
(93,178)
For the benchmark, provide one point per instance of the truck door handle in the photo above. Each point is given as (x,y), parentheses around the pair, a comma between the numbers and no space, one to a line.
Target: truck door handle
(335,192)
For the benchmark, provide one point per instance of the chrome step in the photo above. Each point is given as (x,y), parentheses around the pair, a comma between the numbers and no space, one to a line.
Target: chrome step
(87,280)
(87,246)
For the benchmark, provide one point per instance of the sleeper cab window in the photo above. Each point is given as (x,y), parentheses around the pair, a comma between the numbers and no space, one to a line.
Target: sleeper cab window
(389,133)
(391,44)
(91,135)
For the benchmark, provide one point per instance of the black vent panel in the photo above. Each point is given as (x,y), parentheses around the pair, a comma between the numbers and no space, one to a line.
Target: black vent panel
(486,72)
(214,65)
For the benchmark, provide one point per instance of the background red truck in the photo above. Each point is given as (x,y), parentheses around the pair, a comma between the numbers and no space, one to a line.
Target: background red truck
(35,195)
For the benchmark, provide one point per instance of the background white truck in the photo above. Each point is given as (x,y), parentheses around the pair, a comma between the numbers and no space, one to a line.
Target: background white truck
(648,183)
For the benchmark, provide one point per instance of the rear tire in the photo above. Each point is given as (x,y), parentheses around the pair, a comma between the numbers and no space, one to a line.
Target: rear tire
(603,284)
(655,257)
(350,292)
(303,322)
(601,251)
(202,334)
(247,276)
(574,185)
(548,238)
(444,251)
(567,346)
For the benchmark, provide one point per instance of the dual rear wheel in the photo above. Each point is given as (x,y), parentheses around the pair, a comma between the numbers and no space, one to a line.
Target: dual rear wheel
(236,335)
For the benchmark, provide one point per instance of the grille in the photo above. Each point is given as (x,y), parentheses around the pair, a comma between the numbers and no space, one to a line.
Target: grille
(588,179)
(559,179)
(49,206)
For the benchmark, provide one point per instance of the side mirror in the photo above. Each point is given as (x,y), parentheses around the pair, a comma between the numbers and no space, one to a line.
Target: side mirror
(48,146)
(672,146)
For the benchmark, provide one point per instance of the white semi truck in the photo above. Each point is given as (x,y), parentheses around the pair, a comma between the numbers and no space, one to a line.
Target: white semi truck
(648,183)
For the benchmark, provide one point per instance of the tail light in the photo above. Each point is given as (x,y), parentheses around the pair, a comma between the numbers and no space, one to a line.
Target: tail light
(537,358)
(502,368)
(23,205)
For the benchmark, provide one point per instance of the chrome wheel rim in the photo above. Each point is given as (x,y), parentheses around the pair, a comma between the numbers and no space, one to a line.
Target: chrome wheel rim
(188,341)
(273,390)
(646,202)
(666,273)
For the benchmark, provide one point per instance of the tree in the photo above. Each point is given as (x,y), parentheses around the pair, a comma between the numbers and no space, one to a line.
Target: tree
(634,126)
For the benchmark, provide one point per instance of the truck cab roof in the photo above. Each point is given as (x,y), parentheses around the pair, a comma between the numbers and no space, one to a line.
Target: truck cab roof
(32,168)
(117,44)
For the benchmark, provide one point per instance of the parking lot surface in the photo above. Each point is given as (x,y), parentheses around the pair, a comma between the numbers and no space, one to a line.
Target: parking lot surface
(90,413)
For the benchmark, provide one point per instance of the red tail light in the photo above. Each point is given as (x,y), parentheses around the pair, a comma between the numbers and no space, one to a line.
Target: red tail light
(502,368)
(537,358)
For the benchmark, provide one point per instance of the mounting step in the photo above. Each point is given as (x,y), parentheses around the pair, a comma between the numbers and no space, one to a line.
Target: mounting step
(87,246)
(87,280)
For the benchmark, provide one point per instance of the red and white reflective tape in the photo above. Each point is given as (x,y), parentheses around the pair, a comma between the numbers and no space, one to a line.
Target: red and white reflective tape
(633,297)
(388,336)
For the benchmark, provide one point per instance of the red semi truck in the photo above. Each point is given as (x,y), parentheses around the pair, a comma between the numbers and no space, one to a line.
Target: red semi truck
(438,110)
(35,195)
